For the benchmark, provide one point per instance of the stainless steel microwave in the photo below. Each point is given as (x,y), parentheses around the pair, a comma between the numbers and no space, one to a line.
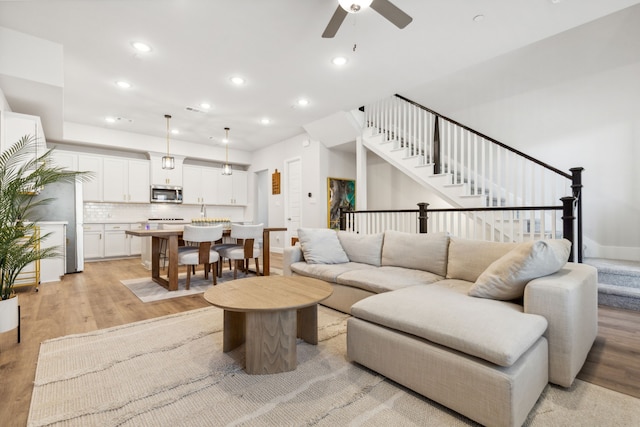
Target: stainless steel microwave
(166,194)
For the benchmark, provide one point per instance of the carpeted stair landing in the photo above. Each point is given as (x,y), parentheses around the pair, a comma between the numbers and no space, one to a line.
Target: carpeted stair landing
(618,282)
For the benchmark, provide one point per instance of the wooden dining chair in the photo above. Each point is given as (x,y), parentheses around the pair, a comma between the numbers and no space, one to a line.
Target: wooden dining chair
(247,247)
(197,250)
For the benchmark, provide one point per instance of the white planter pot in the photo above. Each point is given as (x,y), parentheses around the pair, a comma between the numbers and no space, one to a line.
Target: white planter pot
(8,314)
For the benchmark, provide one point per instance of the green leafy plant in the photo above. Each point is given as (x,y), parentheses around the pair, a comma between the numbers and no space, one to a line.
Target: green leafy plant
(22,175)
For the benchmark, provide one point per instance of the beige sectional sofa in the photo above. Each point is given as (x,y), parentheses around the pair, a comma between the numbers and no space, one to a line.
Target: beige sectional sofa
(480,327)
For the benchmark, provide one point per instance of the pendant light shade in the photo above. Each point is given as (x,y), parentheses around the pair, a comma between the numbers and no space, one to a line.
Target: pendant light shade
(226,168)
(168,162)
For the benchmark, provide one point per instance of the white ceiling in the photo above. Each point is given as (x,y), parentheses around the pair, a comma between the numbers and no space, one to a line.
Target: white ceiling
(276,46)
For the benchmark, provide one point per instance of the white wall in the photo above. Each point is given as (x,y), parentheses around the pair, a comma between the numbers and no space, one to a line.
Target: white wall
(571,100)
(388,188)
(318,163)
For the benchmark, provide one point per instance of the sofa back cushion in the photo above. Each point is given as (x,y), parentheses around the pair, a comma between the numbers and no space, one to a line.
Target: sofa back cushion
(363,248)
(420,251)
(469,258)
(321,246)
(506,278)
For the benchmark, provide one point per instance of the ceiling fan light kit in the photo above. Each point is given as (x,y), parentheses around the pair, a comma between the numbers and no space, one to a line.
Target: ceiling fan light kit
(385,8)
(354,6)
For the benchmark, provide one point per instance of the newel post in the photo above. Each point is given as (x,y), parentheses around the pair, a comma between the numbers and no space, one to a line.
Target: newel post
(343,219)
(567,222)
(576,186)
(436,147)
(422,217)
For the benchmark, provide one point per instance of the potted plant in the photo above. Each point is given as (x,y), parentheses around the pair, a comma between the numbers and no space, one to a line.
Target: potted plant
(22,175)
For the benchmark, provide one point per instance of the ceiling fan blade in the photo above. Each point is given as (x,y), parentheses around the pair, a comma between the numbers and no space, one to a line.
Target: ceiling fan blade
(334,23)
(392,13)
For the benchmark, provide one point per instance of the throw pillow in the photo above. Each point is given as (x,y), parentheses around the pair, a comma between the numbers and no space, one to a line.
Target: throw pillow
(321,246)
(468,258)
(363,248)
(506,278)
(427,252)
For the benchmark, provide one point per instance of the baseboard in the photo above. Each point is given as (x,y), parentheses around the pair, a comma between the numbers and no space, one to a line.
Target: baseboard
(591,249)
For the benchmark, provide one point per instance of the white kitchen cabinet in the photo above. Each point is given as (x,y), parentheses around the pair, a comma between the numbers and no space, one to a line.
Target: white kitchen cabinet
(116,243)
(161,176)
(200,184)
(115,186)
(92,189)
(93,241)
(138,174)
(135,242)
(232,189)
(15,126)
(126,181)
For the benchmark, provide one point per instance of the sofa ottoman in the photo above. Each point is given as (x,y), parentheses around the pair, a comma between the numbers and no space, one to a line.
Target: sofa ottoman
(485,359)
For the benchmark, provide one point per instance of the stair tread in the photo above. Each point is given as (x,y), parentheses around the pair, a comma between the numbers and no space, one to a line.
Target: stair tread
(618,290)
(613,266)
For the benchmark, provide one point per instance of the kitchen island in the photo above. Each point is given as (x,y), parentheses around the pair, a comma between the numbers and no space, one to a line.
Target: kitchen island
(172,237)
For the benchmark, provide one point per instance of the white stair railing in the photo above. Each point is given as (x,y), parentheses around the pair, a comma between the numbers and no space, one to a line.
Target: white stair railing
(505,176)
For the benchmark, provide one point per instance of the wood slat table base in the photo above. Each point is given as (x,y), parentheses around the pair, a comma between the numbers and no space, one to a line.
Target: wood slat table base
(271,346)
(267,314)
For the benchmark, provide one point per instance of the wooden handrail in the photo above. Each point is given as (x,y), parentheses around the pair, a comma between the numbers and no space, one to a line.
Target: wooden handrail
(488,138)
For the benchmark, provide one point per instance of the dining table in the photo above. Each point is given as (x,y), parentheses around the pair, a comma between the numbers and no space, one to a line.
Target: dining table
(173,237)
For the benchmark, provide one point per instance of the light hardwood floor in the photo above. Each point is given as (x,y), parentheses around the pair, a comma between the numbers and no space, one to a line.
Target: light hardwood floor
(95,299)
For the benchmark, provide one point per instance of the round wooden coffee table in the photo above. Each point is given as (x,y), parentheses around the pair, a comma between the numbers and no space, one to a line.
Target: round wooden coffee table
(267,313)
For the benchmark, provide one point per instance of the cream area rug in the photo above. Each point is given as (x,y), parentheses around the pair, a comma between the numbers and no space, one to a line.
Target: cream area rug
(171,371)
(147,290)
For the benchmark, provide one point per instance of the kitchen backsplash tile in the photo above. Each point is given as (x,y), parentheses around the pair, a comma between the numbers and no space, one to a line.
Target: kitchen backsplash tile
(133,212)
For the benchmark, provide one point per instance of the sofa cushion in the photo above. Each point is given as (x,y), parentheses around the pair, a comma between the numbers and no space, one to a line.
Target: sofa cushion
(327,272)
(496,331)
(364,248)
(506,278)
(321,246)
(387,278)
(418,251)
(468,258)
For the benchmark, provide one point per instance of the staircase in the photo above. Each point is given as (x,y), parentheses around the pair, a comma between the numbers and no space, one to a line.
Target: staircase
(469,169)
(473,171)
(618,283)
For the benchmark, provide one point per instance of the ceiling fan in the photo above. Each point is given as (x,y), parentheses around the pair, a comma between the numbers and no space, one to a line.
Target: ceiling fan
(384,7)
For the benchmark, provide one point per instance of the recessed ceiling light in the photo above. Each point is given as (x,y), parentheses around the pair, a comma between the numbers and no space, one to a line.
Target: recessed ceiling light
(205,105)
(478,18)
(110,119)
(122,84)
(141,47)
(339,60)
(237,80)
(303,102)
(175,131)
(265,121)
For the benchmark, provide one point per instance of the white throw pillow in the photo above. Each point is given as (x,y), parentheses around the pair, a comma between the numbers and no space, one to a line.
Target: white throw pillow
(321,246)
(506,278)
(362,248)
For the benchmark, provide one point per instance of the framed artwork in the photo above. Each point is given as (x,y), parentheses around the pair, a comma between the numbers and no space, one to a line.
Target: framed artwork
(341,195)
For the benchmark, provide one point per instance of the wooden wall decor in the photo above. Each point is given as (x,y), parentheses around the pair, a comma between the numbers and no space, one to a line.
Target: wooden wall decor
(275,182)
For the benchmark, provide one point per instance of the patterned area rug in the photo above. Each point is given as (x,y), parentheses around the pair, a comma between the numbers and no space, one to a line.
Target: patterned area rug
(147,290)
(171,371)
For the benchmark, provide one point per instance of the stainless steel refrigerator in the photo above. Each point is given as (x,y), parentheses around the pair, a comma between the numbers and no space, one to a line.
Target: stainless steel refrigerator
(66,205)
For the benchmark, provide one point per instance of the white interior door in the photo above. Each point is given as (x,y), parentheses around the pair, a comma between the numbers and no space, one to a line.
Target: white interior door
(293,194)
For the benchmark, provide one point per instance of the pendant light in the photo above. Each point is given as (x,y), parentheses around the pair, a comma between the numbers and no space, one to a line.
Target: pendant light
(168,162)
(226,169)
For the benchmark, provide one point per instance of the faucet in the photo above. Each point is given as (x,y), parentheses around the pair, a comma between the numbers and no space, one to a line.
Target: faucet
(203,211)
